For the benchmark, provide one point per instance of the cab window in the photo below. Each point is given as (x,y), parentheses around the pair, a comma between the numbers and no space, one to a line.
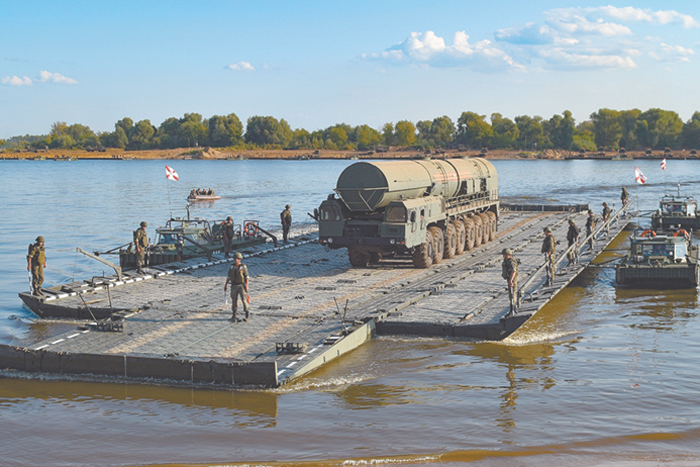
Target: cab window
(395,214)
(330,213)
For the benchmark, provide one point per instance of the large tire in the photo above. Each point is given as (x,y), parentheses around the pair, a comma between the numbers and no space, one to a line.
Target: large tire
(423,255)
(375,257)
(461,234)
(486,226)
(494,224)
(478,230)
(450,241)
(438,244)
(470,234)
(358,258)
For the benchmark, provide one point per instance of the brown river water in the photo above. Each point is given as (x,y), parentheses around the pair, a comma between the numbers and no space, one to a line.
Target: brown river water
(600,377)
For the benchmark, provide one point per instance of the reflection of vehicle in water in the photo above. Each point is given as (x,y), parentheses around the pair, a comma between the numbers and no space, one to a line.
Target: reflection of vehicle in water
(676,211)
(665,260)
(181,239)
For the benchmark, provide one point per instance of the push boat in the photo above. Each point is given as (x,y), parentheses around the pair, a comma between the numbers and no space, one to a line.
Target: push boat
(676,212)
(203,198)
(659,260)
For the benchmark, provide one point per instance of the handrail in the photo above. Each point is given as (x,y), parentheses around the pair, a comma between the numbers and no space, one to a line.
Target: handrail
(116,268)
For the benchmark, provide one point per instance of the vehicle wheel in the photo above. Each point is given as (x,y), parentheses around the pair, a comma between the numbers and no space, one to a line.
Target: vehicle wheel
(423,255)
(461,234)
(438,244)
(469,234)
(486,228)
(450,241)
(478,230)
(358,258)
(375,257)
(494,224)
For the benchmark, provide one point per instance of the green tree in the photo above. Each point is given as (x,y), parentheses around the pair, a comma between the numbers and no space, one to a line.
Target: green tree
(584,137)
(424,136)
(691,132)
(657,128)
(141,135)
(224,130)
(366,137)
(607,128)
(388,134)
(339,135)
(268,131)
(405,133)
(560,130)
(192,129)
(505,131)
(473,130)
(531,132)
(442,130)
(628,125)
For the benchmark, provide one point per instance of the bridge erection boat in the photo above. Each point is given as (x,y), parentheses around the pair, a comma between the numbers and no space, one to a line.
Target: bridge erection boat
(676,212)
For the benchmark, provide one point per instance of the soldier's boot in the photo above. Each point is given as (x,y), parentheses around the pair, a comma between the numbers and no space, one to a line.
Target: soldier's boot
(233,318)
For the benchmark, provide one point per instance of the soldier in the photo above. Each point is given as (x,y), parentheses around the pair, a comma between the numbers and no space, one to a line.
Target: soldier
(606,215)
(624,197)
(141,242)
(549,249)
(36,262)
(572,236)
(286,218)
(509,271)
(590,227)
(238,277)
(227,229)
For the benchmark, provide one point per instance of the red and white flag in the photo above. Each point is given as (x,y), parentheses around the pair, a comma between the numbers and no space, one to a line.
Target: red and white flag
(639,176)
(170,174)
(663,164)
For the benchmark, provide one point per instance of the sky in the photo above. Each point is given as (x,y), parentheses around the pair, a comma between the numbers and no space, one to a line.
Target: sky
(319,63)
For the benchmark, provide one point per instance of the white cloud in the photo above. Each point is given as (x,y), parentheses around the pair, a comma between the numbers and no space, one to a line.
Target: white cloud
(16,81)
(531,34)
(46,76)
(672,53)
(574,21)
(637,14)
(430,50)
(241,66)
(568,60)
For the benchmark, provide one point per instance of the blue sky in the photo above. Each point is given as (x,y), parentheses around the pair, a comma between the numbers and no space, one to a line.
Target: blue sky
(318,63)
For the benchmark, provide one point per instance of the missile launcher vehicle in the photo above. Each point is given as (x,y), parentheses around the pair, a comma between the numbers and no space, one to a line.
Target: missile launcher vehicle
(428,209)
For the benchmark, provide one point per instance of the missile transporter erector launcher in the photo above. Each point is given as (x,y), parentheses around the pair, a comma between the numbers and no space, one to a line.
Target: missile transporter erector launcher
(429,209)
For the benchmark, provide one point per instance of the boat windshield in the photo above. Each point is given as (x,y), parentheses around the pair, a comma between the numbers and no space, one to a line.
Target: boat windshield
(168,239)
(657,249)
(674,208)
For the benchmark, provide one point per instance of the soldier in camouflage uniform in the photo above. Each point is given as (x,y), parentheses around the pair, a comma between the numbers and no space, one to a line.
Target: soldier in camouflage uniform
(590,227)
(606,215)
(624,197)
(227,230)
(141,243)
(572,236)
(286,218)
(36,262)
(549,247)
(238,277)
(509,271)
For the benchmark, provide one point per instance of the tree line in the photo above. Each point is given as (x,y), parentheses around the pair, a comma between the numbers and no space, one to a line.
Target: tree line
(605,130)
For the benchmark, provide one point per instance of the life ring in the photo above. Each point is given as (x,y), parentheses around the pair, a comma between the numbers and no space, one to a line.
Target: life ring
(651,233)
(682,231)
(251,229)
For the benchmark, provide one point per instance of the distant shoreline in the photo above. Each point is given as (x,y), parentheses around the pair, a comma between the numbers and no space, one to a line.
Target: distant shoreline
(300,154)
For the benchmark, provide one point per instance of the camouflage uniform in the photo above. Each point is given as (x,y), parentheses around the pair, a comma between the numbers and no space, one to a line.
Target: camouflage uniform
(606,215)
(549,247)
(508,267)
(227,229)
(36,259)
(286,218)
(238,276)
(572,237)
(141,243)
(624,197)
(590,227)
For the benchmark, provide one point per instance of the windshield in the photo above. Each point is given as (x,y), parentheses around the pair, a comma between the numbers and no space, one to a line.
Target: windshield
(395,214)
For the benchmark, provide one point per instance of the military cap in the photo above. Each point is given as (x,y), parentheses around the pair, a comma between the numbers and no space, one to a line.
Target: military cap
(238,255)
(571,221)
(605,204)
(144,224)
(229,218)
(507,251)
(287,207)
(590,211)
(547,229)
(40,239)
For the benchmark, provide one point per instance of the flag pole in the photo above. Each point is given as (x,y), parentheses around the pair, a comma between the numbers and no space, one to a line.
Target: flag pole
(169,201)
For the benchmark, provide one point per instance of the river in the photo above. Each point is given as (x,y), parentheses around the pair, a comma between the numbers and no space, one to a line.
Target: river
(600,377)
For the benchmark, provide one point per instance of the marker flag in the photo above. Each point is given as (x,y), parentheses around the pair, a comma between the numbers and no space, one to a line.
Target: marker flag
(663,164)
(639,176)
(170,174)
